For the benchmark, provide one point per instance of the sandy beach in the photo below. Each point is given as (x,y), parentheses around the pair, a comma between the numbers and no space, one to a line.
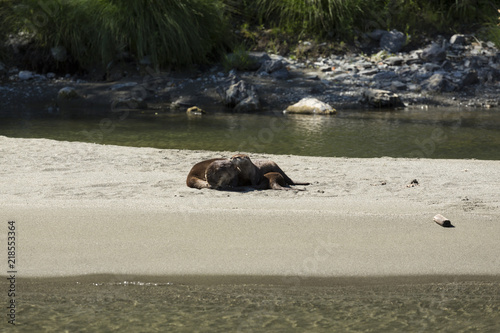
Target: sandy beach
(83,209)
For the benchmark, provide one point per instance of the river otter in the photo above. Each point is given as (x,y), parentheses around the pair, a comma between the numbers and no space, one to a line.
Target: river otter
(222,175)
(218,173)
(253,173)
(197,176)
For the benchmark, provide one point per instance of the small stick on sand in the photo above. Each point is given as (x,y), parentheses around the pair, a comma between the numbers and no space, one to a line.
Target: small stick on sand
(442,221)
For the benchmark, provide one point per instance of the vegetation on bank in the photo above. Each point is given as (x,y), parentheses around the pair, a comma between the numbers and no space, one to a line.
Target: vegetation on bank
(183,32)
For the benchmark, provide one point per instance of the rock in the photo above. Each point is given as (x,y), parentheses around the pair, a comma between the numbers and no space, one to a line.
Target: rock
(270,66)
(392,41)
(194,110)
(470,78)
(251,103)
(369,72)
(67,93)
(51,75)
(457,39)
(381,99)
(236,93)
(25,75)
(394,61)
(398,85)
(257,59)
(439,83)
(433,53)
(241,96)
(310,106)
(281,74)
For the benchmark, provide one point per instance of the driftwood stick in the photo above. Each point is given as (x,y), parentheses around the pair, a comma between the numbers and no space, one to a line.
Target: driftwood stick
(442,221)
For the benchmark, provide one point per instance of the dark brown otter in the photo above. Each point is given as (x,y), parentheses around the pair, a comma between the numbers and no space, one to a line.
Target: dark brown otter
(222,175)
(249,174)
(253,173)
(197,176)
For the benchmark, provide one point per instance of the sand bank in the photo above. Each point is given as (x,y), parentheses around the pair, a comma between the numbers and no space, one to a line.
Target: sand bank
(84,208)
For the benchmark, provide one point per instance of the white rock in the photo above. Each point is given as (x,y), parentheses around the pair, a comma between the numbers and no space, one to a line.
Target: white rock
(310,106)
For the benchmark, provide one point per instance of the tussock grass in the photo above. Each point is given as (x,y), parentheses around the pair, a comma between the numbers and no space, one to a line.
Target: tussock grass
(322,17)
(171,32)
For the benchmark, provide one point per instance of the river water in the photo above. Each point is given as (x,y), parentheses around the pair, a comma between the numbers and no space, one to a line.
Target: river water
(388,305)
(429,133)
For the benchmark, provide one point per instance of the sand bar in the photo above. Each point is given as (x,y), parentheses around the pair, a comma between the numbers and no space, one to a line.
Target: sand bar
(91,209)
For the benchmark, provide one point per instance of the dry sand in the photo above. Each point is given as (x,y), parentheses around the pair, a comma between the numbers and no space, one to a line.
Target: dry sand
(84,208)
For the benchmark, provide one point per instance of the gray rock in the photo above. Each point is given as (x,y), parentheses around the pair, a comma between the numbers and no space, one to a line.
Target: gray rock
(236,93)
(258,58)
(381,99)
(25,75)
(241,96)
(433,53)
(369,72)
(394,61)
(393,41)
(386,75)
(457,39)
(398,85)
(470,78)
(270,66)
(310,106)
(67,93)
(281,74)
(251,103)
(439,83)
(51,75)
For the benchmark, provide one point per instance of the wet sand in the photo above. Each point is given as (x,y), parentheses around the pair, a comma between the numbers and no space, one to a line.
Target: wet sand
(84,209)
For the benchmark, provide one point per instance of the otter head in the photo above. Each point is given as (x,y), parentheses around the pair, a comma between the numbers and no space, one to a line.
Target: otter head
(240,160)
(221,174)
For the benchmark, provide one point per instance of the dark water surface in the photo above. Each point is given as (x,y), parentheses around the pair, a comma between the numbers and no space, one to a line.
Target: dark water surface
(429,133)
(73,305)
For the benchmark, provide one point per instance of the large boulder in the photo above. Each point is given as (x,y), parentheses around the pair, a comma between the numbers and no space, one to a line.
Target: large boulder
(392,41)
(310,106)
(381,99)
(241,96)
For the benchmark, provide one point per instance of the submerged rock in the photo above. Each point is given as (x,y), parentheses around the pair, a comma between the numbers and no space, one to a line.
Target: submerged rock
(194,110)
(310,106)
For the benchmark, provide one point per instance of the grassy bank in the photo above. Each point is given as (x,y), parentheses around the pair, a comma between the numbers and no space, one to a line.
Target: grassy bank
(183,32)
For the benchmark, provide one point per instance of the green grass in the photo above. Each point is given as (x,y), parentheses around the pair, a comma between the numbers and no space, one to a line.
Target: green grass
(95,31)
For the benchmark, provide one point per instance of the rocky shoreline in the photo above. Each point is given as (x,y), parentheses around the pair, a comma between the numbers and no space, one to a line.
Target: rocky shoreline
(457,72)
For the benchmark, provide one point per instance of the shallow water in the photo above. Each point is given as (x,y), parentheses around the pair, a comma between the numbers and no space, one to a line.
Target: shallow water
(430,133)
(73,305)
